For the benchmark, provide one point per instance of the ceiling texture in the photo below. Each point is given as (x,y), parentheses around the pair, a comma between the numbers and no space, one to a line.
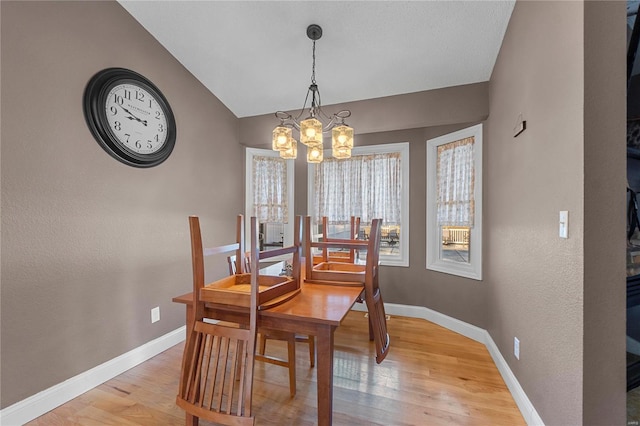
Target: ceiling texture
(256,58)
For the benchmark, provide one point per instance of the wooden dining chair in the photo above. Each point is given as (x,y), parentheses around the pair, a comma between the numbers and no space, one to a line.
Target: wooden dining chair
(264,334)
(339,273)
(326,270)
(218,360)
(216,379)
(348,256)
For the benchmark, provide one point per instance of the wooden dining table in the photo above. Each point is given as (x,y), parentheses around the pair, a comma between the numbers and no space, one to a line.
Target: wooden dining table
(317,310)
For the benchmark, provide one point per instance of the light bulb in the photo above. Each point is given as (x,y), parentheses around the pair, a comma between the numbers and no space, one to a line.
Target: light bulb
(311,133)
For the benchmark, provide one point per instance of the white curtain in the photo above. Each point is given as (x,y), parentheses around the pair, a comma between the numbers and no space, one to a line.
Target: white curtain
(368,186)
(455,174)
(270,189)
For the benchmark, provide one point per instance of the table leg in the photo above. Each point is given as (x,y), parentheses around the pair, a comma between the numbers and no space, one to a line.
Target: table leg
(325,375)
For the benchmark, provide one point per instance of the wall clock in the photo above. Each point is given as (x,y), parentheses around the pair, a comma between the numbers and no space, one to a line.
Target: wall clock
(129,117)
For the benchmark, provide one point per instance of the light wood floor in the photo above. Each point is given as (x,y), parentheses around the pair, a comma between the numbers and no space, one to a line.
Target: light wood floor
(431,376)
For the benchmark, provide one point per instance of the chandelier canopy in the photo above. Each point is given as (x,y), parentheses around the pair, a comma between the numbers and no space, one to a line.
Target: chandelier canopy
(311,129)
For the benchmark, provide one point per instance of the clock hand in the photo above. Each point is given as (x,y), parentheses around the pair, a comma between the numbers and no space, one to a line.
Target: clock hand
(137,119)
(133,117)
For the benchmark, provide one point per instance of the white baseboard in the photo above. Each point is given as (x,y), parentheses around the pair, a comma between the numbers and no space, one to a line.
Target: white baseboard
(479,335)
(522,401)
(28,409)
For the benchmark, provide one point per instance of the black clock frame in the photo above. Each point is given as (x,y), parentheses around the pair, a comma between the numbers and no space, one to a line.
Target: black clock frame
(94,113)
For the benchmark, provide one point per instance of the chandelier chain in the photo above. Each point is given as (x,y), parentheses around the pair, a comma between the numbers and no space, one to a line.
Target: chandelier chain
(313,66)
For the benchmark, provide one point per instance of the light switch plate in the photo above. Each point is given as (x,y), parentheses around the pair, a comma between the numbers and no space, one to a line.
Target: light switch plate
(564,224)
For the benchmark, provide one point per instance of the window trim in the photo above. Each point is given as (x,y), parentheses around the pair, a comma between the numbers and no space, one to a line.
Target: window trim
(403,148)
(248,197)
(473,269)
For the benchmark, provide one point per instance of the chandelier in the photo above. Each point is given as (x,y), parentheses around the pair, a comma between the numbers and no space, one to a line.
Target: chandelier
(311,129)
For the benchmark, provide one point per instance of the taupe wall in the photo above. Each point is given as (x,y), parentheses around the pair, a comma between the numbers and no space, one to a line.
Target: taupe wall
(90,245)
(564,299)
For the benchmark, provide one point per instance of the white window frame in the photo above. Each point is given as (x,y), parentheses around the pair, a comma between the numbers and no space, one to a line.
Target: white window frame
(401,259)
(472,269)
(248,197)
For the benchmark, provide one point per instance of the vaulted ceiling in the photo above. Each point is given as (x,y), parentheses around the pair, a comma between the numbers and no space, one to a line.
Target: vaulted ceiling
(256,58)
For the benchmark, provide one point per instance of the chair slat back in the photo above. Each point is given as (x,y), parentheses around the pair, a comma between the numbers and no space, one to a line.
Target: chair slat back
(324,276)
(338,256)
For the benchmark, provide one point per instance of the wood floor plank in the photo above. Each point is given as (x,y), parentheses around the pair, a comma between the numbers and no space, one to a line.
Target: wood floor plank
(431,376)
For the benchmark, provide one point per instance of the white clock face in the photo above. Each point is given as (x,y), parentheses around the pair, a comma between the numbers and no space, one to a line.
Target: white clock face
(136,119)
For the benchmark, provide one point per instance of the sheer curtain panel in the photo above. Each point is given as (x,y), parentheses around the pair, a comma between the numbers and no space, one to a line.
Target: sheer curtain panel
(455,183)
(270,189)
(368,186)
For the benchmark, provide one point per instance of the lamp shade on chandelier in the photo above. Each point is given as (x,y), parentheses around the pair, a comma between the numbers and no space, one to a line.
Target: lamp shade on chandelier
(282,139)
(311,128)
(290,153)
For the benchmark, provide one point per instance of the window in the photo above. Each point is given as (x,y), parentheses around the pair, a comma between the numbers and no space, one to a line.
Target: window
(454,203)
(269,197)
(373,183)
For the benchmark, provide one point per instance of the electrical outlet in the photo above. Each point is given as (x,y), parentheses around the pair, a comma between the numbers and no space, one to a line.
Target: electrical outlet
(516,347)
(155,314)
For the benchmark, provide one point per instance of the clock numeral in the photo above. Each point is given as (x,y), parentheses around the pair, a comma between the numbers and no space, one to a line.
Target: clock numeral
(117,125)
(127,94)
(140,96)
(138,144)
(118,99)
(149,145)
(150,106)
(160,127)
(113,110)
(127,137)
(157,138)
(158,115)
